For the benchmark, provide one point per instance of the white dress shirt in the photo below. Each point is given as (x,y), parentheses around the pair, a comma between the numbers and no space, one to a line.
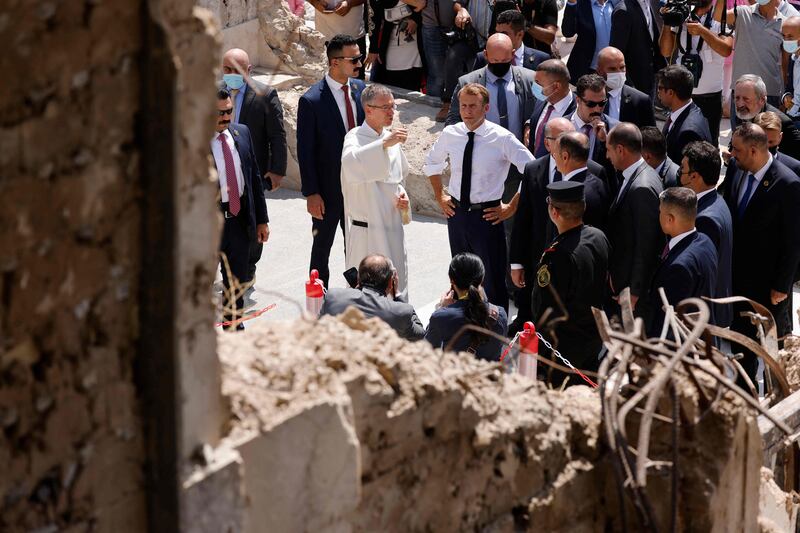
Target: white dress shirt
(675,114)
(614,103)
(627,174)
(759,175)
(495,149)
(578,122)
(559,108)
(573,173)
(219,161)
(519,56)
(678,238)
(338,95)
(701,194)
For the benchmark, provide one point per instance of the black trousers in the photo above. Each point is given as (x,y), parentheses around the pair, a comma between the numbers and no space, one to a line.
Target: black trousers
(711,106)
(236,238)
(469,232)
(410,79)
(324,232)
(460,58)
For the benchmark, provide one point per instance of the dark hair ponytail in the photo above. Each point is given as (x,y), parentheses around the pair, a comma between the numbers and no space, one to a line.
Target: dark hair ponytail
(466,273)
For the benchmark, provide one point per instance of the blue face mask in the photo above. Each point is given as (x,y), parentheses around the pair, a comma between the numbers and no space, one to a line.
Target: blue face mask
(538,91)
(790,46)
(233,81)
(763,2)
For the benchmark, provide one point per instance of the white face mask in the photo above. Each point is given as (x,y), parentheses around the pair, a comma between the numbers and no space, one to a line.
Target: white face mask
(615,80)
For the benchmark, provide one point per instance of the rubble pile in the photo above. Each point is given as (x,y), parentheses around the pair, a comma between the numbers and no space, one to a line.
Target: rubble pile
(353,429)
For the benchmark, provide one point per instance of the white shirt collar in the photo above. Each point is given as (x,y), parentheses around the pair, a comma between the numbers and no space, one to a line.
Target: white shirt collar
(628,172)
(333,84)
(578,121)
(763,170)
(574,173)
(370,131)
(678,238)
(226,133)
(675,114)
(701,194)
(519,54)
(491,78)
(480,131)
(562,105)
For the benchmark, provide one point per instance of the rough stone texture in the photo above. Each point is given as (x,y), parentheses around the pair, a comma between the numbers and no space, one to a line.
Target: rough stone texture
(423,131)
(231,12)
(777,509)
(215,494)
(789,358)
(299,49)
(447,443)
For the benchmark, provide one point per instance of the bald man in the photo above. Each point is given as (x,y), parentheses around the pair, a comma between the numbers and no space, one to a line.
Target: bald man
(257,106)
(511,100)
(625,103)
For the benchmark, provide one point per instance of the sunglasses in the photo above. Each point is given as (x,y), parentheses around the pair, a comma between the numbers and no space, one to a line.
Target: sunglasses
(354,60)
(592,103)
(224,112)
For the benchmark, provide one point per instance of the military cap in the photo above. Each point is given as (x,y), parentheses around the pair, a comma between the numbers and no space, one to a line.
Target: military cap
(566,191)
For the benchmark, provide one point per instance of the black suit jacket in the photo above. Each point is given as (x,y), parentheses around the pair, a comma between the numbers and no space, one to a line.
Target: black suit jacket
(690,126)
(253,187)
(669,173)
(533,230)
(790,162)
(714,220)
(598,152)
(530,59)
(578,20)
(790,143)
(262,113)
(399,315)
(635,233)
(689,270)
(629,33)
(766,240)
(539,108)
(635,107)
(320,136)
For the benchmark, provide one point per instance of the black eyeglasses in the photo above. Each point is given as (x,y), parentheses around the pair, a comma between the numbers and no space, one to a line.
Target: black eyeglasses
(389,107)
(223,112)
(592,103)
(353,60)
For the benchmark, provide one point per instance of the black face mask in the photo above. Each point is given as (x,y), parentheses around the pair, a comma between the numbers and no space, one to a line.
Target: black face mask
(499,69)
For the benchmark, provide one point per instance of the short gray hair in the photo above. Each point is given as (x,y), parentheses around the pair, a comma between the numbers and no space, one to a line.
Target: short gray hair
(758,84)
(373,91)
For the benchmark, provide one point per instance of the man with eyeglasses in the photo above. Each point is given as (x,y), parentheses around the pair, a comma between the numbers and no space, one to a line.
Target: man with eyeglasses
(590,120)
(325,113)
(375,203)
(686,122)
(241,201)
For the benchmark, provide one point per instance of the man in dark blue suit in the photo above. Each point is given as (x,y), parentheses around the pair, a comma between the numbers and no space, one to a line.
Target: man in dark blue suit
(625,103)
(325,113)
(688,266)
(512,23)
(700,172)
(241,201)
(654,151)
(771,123)
(762,195)
(686,123)
(554,99)
(590,20)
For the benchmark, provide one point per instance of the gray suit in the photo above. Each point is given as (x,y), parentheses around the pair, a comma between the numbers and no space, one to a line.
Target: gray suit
(399,315)
(523,79)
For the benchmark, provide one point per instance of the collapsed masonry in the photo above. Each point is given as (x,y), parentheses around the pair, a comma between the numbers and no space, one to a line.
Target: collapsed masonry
(339,425)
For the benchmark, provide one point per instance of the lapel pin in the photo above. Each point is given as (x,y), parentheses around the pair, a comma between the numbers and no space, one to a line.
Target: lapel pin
(766,183)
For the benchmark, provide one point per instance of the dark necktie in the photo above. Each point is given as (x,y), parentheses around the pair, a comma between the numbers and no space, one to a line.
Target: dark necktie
(667,124)
(234,203)
(351,122)
(751,181)
(587,130)
(539,150)
(466,170)
(665,251)
(557,176)
(502,103)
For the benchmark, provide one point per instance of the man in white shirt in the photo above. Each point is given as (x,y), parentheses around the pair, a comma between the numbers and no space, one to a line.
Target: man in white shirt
(242,204)
(373,169)
(480,154)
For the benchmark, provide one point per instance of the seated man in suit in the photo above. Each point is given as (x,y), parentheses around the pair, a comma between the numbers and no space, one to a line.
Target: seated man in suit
(762,195)
(590,20)
(510,96)
(625,103)
(700,172)
(686,122)
(654,151)
(688,266)
(590,120)
(553,99)
(771,124)
(512,24)
(374,295)
(750,96)
(241,201)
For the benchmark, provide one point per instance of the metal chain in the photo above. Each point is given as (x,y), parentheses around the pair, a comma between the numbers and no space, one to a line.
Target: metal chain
(555,352)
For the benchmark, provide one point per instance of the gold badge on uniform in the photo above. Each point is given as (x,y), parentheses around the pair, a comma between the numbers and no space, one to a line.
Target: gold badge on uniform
(543,276)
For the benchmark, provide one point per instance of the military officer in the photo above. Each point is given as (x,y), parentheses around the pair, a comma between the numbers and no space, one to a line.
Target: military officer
(574,269)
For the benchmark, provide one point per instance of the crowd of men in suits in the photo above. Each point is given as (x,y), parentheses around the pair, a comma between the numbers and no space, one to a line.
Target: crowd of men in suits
(516,129)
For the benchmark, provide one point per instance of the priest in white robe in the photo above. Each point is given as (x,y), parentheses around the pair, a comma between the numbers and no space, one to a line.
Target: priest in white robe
(375,202)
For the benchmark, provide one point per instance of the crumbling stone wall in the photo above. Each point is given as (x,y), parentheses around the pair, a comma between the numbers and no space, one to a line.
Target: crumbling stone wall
(353,429)
(74,169)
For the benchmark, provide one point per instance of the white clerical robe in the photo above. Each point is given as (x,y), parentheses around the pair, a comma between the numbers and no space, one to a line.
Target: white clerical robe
(371,181)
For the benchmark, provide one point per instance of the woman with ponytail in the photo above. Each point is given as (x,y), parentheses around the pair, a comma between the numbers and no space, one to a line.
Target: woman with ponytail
(465,303)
